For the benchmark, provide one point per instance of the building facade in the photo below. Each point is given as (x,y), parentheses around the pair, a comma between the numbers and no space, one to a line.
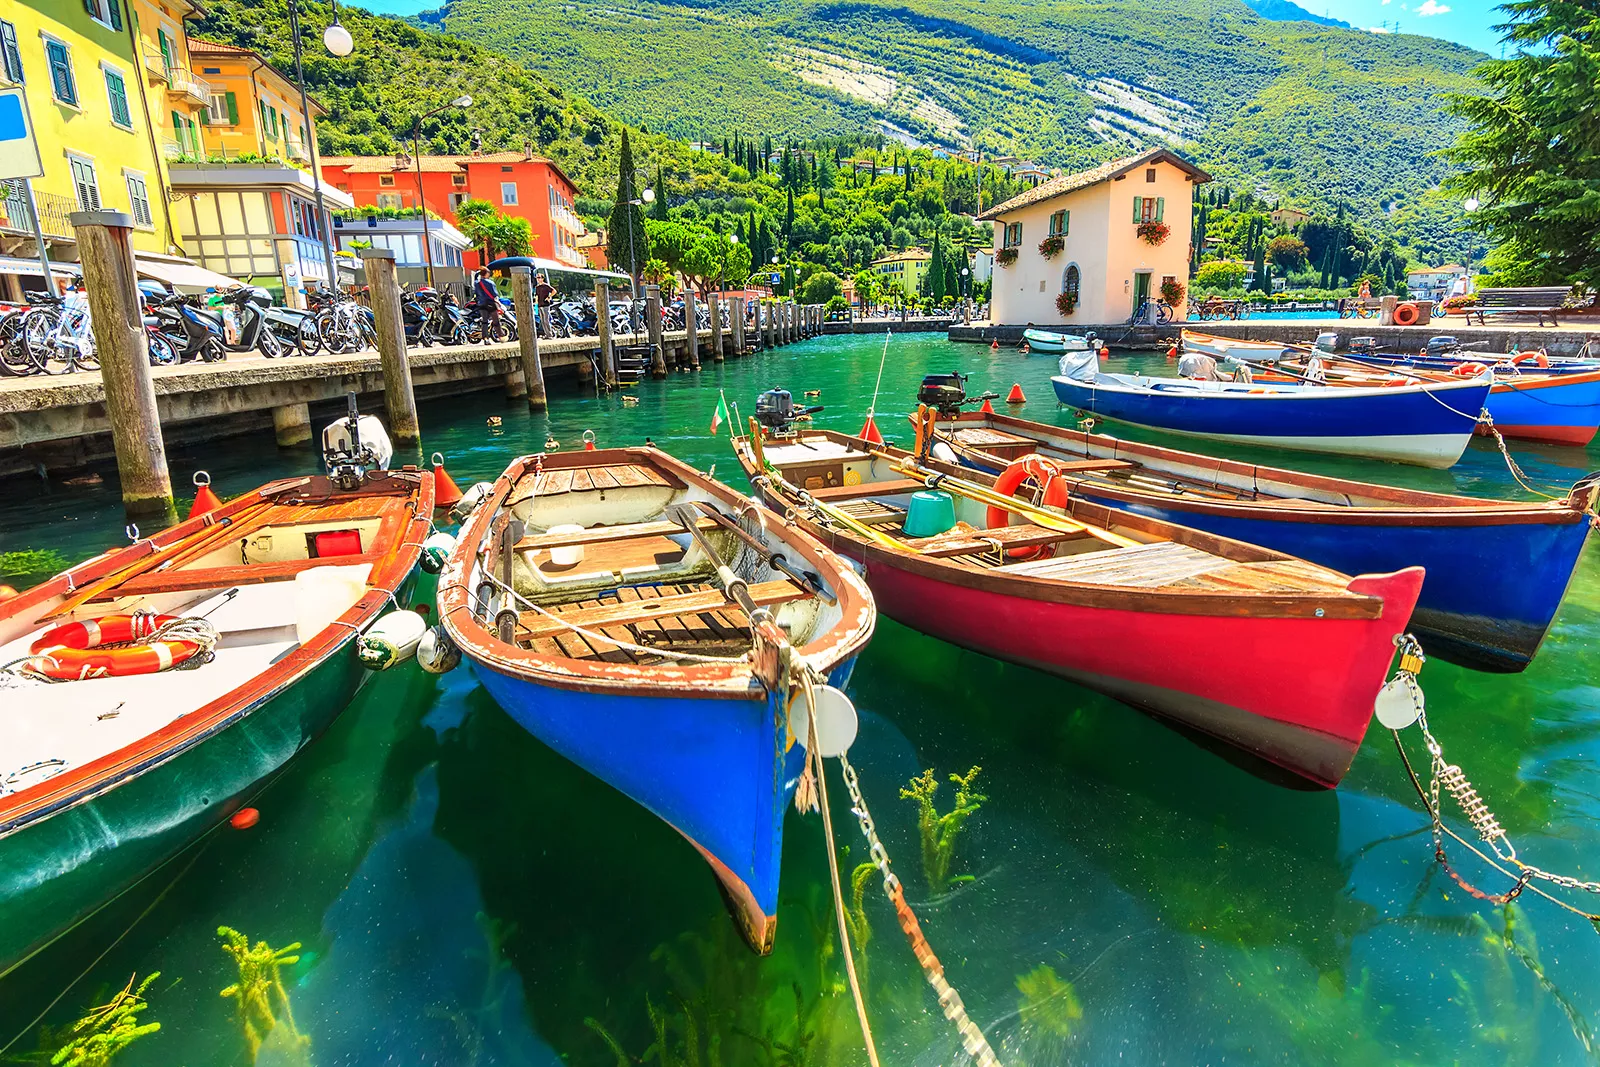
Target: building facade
(84,77)
(250,109)
(1103,263)
(906,269)
(519,184)
(353,231)
(1438,283)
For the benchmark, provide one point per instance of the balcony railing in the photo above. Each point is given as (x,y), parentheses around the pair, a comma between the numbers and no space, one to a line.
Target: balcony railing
(53,211)
(155,64)
(297,149)
(181,82)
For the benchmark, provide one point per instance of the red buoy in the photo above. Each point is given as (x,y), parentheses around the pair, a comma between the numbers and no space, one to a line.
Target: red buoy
(1172,353)
(987,409)
(244,818)
(1105,353)
(995,344)
(1015,396)
(588,441)
(869,432)
(445,490)
(205,501)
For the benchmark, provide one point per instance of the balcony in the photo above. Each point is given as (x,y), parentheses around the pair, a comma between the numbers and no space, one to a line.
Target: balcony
(53,211)
(155,65)
(298,149)
(183,83)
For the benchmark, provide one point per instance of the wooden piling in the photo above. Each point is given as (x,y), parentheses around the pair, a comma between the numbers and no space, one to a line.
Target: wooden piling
(105,248)
(691,325)
(602,314)
(716,327)
(736,313)
(652,326)
(398,397)
(528,337)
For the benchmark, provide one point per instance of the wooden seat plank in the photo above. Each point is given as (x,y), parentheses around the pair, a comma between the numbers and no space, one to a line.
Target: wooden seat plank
(552,483)
(628,476)
(891,487)
(601,534)
(603,478)
(217,577)
(665,607)
(582,481)
(948,544)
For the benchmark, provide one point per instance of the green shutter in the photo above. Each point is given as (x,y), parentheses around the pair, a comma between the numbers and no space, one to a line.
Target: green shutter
(1138,209)
(89,6)
(166,46)
(116,14)
(1161,207)
(178,131)
(1066,222)
(233,110)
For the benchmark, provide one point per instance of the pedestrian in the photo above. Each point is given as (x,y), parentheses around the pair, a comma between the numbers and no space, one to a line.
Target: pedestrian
(486,299)
(544,295)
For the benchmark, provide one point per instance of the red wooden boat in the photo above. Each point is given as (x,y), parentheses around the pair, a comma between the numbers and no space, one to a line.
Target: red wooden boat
(1277,656)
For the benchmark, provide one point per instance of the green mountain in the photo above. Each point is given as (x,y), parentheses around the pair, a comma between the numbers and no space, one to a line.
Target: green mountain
(1316,114)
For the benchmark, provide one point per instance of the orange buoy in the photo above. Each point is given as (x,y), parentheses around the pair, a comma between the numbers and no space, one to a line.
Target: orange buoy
(987,409)
(244,818)
(1105,353)
(1172,353)
(205,501)
(869,432)
(445,490)
(1015,396)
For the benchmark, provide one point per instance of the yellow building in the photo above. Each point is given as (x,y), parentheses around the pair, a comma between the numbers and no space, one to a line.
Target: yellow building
(86,87)
(252,109)
(177,97)
(907,268)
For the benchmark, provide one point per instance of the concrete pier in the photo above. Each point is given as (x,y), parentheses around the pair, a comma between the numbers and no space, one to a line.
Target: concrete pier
(291,424)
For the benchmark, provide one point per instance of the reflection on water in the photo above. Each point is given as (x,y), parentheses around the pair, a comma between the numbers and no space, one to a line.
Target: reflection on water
(462,895)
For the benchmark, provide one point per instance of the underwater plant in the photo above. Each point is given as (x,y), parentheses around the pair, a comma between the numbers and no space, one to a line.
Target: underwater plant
(263,1002)
(102,1032)
(939,832)
(1048,1005)
(29,561)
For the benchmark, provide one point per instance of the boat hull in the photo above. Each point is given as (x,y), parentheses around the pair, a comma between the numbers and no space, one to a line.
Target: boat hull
(1045,341)
(1553,409)
(722,772)
(1346,422)
(57,871)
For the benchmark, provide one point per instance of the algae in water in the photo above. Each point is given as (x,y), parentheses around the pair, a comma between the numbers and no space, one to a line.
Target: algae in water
(265,1014)
(104,1031)
(1048,1005)
(940,832)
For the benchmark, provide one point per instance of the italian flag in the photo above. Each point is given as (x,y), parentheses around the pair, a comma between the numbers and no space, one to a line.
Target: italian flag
(720,414)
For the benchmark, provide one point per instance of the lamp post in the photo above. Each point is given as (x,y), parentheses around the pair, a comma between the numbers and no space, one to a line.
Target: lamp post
(336,39)
(462,101)
(966,296)
(646,197)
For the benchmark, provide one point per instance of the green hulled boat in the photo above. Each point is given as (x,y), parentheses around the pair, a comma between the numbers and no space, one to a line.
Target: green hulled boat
(150,691)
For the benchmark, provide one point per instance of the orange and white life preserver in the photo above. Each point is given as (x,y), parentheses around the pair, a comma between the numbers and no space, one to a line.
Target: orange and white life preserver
(1468,370)
(1047,475)
(1539,358)
(1406,314)
(72,651)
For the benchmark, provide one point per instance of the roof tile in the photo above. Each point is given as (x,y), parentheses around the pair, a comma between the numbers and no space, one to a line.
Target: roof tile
(1069,183)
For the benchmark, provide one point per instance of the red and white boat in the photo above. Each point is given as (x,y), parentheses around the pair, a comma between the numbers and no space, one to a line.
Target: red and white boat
(1279,657)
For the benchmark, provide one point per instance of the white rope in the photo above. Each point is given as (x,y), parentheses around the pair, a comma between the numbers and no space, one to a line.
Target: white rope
(872,409)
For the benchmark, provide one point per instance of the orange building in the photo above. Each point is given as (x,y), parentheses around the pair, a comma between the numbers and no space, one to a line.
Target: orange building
(519,184)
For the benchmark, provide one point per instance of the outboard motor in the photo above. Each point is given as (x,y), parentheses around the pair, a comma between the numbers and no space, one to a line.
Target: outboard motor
(355,446)
(776,411)
(1080,366)
(1443,345)
(1363,346)
(1327,341)
(947,393)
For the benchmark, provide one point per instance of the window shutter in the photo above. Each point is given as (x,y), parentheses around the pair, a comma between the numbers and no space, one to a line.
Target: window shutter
(205,116)
(179,131)
(233,110)
(166,46)
(91,7)
(116,14)
(1138,209)
(1066,222)
(13,55)
(1161,206)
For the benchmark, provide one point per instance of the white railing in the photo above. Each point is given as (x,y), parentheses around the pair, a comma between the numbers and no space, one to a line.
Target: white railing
(186,83)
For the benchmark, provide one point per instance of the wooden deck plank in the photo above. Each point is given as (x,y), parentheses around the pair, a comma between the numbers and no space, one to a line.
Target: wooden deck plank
(582,481)
(599,534)
(603,478)
(665,607)
(890,487)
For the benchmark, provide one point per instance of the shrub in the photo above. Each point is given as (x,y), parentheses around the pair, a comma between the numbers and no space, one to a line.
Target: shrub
(1220,274)
(1051,246)
(1172,292)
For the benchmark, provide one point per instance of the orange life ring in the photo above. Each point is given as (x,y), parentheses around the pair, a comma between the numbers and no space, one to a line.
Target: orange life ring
(1538,357)
(1045,473)
(72,652)
(1406,314)
(1468,370)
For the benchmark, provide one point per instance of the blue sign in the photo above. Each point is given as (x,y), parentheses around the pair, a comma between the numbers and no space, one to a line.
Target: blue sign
(19,155)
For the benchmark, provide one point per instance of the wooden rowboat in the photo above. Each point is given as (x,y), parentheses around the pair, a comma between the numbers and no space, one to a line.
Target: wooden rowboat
(106,778)
(1497,570)
(587,593)
(1277,656)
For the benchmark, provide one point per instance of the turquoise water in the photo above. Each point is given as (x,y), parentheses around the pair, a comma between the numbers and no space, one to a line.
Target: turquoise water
(464,896)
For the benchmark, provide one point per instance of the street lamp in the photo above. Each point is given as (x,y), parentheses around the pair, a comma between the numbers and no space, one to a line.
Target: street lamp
(462,101)
(336,39)
(966,296)
(646,197)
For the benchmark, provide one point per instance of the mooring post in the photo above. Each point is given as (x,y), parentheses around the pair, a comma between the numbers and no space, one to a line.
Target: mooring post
(105,247)
(652,328)
(528,337)
(715,307)
(736,313)
(398,397)
(291,424)
(691,326)
(602,314)
(769,323)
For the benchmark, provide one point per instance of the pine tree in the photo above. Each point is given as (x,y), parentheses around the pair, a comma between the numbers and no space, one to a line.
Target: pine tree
(935,273)
(626,218)
(788,219)
(766,154)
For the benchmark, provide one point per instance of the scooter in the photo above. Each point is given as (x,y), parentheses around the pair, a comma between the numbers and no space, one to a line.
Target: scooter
(238,321)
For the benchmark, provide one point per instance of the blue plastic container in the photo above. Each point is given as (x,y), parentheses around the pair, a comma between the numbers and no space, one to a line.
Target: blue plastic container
(931,512)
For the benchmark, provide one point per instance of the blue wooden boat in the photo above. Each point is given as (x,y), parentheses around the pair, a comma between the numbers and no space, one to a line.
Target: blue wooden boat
(643,641)
(1496,569)
(1425,423)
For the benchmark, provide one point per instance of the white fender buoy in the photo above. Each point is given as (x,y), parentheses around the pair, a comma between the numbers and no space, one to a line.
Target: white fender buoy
(1399,702)
(944,453)
(435,550)
(392,639)
(471,499)
(836,721)
(436,653)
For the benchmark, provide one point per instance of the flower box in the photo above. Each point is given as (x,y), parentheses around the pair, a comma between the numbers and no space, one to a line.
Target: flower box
(1051,246)
(1153,233)
(1066,304)
(1006,256)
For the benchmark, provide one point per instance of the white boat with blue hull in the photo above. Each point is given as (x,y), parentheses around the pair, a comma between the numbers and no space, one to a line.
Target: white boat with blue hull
(1425,423)
(648,623)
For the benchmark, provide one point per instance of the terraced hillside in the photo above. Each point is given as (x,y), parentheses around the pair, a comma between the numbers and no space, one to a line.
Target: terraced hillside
(1312,112)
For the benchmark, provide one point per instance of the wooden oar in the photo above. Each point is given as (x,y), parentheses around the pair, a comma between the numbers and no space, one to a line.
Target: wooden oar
(770,558)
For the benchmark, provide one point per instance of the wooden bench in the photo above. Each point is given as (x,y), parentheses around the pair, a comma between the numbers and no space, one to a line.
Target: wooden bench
(1026,535)
(534,625)
(602,534)
(892,487)
(1542,301)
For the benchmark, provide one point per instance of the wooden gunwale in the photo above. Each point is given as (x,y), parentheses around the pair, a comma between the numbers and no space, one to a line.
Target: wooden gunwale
(83,783)
(1302,604)
(1408,507)
(701,680)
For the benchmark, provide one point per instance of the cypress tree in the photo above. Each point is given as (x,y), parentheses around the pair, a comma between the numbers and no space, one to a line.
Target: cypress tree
(658,210)
(626,218)
(936,269)
(788,219)
(766,154)
(1261,282)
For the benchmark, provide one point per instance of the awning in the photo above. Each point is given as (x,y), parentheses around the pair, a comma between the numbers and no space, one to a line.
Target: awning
(181,274)
(552,265)
(18,265)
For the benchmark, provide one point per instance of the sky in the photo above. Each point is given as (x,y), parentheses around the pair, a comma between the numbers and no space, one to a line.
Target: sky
(1468,22)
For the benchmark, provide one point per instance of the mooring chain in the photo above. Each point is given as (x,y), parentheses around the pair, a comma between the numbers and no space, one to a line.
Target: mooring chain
(972,1038)
(1452,779)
